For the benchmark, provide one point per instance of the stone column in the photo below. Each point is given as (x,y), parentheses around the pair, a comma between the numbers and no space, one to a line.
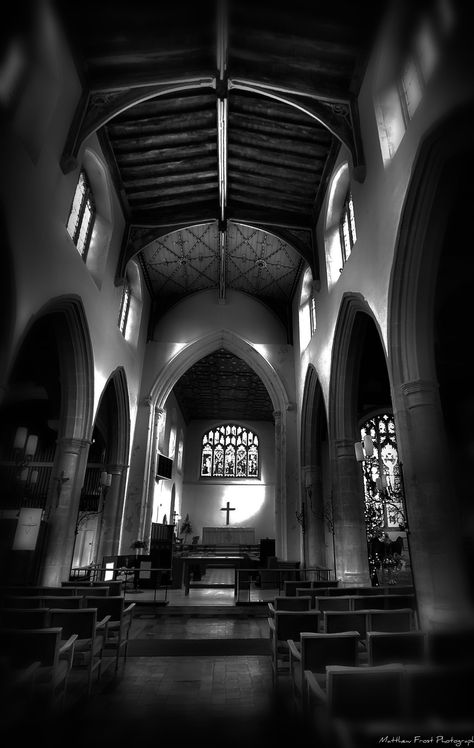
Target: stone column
(111,518)
(147,506)
(314,516)
(432,509)
(62,509)
(350,534)
(280,508)
(138,482)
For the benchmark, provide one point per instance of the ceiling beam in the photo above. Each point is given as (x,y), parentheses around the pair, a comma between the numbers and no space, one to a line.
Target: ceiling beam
(336,115)
(95,110)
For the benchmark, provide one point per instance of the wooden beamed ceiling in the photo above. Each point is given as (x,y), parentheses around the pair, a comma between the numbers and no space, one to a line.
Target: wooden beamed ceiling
(214,113)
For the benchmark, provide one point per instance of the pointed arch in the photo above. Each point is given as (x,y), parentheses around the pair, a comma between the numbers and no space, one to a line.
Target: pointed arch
(76,362)
(354,315)
(119,449)
(202,347)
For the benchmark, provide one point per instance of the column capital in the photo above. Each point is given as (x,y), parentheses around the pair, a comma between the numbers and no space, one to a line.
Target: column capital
(420,392)
(117,469)
(73,445)
(344,448)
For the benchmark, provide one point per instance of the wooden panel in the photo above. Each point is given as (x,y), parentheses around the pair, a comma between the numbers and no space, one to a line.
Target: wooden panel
(228,535)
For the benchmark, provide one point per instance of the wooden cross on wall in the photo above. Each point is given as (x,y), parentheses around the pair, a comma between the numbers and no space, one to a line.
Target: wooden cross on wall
(227,509)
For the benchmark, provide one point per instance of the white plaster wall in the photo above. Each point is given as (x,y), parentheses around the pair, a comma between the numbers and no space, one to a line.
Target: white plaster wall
(199,313)
(254,500)
(37,196)
(378,205)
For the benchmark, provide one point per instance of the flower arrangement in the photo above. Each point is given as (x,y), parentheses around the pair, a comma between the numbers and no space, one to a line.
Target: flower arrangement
(139,545)
(186,528)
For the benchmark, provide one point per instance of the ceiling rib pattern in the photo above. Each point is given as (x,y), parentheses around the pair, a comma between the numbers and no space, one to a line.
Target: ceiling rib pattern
(188,260)
(221,121)
(223,386)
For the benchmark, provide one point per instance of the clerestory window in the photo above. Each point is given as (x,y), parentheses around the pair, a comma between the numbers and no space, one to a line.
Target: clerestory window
(82,215)
(124,308)
(230,451)
(347,228)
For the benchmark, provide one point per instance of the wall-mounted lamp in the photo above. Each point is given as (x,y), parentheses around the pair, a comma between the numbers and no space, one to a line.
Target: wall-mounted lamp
(364,449)
(105,479)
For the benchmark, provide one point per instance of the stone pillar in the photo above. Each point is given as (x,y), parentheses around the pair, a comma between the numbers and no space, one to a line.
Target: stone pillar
(316,554)
(62,509)
(138,482)
(349,524)
(280,508)
(111,518)
(433,516)
(147,506)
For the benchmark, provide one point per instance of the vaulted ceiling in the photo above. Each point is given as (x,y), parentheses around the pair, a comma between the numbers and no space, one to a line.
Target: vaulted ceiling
(220,121)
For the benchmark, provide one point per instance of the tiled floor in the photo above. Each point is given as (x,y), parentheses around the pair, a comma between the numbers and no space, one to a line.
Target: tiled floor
(212,701)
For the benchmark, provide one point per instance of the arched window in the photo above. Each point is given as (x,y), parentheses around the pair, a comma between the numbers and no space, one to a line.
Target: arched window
(82,215)
(340,232)
(124,307)
(385,512)
(347,228)
(383,487)
(230,451)
(307,311)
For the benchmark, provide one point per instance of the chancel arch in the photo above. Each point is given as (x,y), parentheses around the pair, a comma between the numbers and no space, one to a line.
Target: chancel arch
(224,339)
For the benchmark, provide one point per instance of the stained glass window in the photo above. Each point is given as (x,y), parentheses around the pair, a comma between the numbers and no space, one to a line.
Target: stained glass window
(230,451)
(383,487)
(82,215)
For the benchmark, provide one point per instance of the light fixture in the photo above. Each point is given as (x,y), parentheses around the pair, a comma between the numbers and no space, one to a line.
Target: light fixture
(105,479)
(364,449)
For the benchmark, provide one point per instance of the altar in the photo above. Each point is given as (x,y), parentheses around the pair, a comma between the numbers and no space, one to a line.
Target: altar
(228,536)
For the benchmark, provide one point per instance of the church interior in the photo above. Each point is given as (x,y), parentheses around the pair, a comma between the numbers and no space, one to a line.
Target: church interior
(234,368)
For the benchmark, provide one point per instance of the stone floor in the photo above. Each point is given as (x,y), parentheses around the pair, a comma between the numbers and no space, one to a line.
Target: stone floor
(223,701)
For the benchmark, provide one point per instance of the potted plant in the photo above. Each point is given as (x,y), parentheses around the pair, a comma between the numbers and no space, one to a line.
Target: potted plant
(186,528)
(139,545)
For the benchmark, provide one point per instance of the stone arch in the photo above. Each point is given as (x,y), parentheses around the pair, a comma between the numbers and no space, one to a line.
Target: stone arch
(183,360)
(67,322)
(315,474)
(349,525)
(76,362)
(117,463)
(423,240)
(277,392)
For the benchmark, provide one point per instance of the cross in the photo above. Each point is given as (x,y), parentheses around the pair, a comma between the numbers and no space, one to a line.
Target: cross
(227,509)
